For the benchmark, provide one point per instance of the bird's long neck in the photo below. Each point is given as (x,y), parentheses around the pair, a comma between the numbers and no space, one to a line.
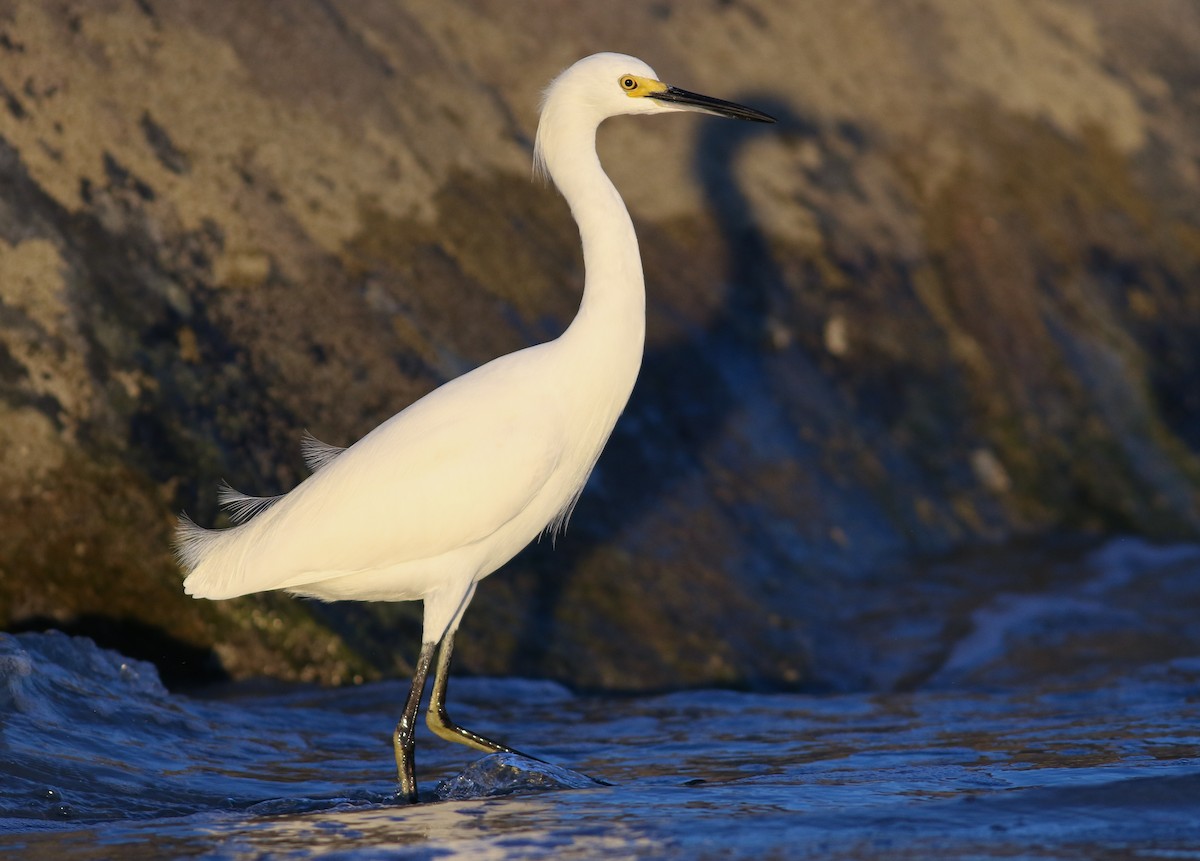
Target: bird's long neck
(612,314)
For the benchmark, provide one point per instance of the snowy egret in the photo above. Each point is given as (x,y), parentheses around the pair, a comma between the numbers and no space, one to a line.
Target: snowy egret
(452,487)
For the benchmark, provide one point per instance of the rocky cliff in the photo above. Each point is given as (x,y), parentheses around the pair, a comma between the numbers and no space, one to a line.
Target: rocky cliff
(949,303)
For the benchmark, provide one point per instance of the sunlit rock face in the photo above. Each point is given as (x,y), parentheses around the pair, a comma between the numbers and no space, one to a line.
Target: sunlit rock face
(946,304)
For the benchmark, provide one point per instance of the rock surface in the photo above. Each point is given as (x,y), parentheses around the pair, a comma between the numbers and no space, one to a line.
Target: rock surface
(947,303)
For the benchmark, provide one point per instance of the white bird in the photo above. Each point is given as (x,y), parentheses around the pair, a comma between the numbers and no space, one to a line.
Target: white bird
(452,487)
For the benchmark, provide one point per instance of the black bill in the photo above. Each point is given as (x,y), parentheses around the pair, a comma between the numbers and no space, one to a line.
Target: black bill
(709,105)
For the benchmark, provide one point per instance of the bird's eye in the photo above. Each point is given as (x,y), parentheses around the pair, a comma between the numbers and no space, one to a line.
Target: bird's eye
(629,83)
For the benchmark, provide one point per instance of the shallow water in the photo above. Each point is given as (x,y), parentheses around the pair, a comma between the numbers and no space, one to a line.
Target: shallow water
(97,760)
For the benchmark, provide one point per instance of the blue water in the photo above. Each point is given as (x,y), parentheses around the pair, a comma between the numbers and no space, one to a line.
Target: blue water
(98,760)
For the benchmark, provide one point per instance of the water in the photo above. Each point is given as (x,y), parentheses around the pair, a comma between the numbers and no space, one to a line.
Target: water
(98,760)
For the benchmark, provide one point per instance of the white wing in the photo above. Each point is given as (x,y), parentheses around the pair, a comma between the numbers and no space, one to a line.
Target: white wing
(448,471)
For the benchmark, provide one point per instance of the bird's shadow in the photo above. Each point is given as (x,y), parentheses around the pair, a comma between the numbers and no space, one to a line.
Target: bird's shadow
(683,398)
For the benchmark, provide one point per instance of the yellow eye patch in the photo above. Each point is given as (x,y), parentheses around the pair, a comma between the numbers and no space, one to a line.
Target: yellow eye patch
(635,86)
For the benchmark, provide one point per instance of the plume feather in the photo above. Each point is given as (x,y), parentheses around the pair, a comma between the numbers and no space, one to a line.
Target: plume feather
(317,455)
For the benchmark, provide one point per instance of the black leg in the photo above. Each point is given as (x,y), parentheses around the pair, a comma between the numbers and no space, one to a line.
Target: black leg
(440,722)
(404,739)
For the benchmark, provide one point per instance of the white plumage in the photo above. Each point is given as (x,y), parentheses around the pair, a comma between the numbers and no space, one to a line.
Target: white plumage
(449,489)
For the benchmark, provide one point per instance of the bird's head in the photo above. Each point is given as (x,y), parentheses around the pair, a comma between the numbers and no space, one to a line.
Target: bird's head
(606,85)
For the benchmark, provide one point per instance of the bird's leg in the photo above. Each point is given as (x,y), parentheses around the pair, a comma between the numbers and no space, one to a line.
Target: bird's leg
(405,738)
(441,723)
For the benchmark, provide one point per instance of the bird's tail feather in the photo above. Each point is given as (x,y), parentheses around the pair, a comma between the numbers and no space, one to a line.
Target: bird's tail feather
(193,543)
